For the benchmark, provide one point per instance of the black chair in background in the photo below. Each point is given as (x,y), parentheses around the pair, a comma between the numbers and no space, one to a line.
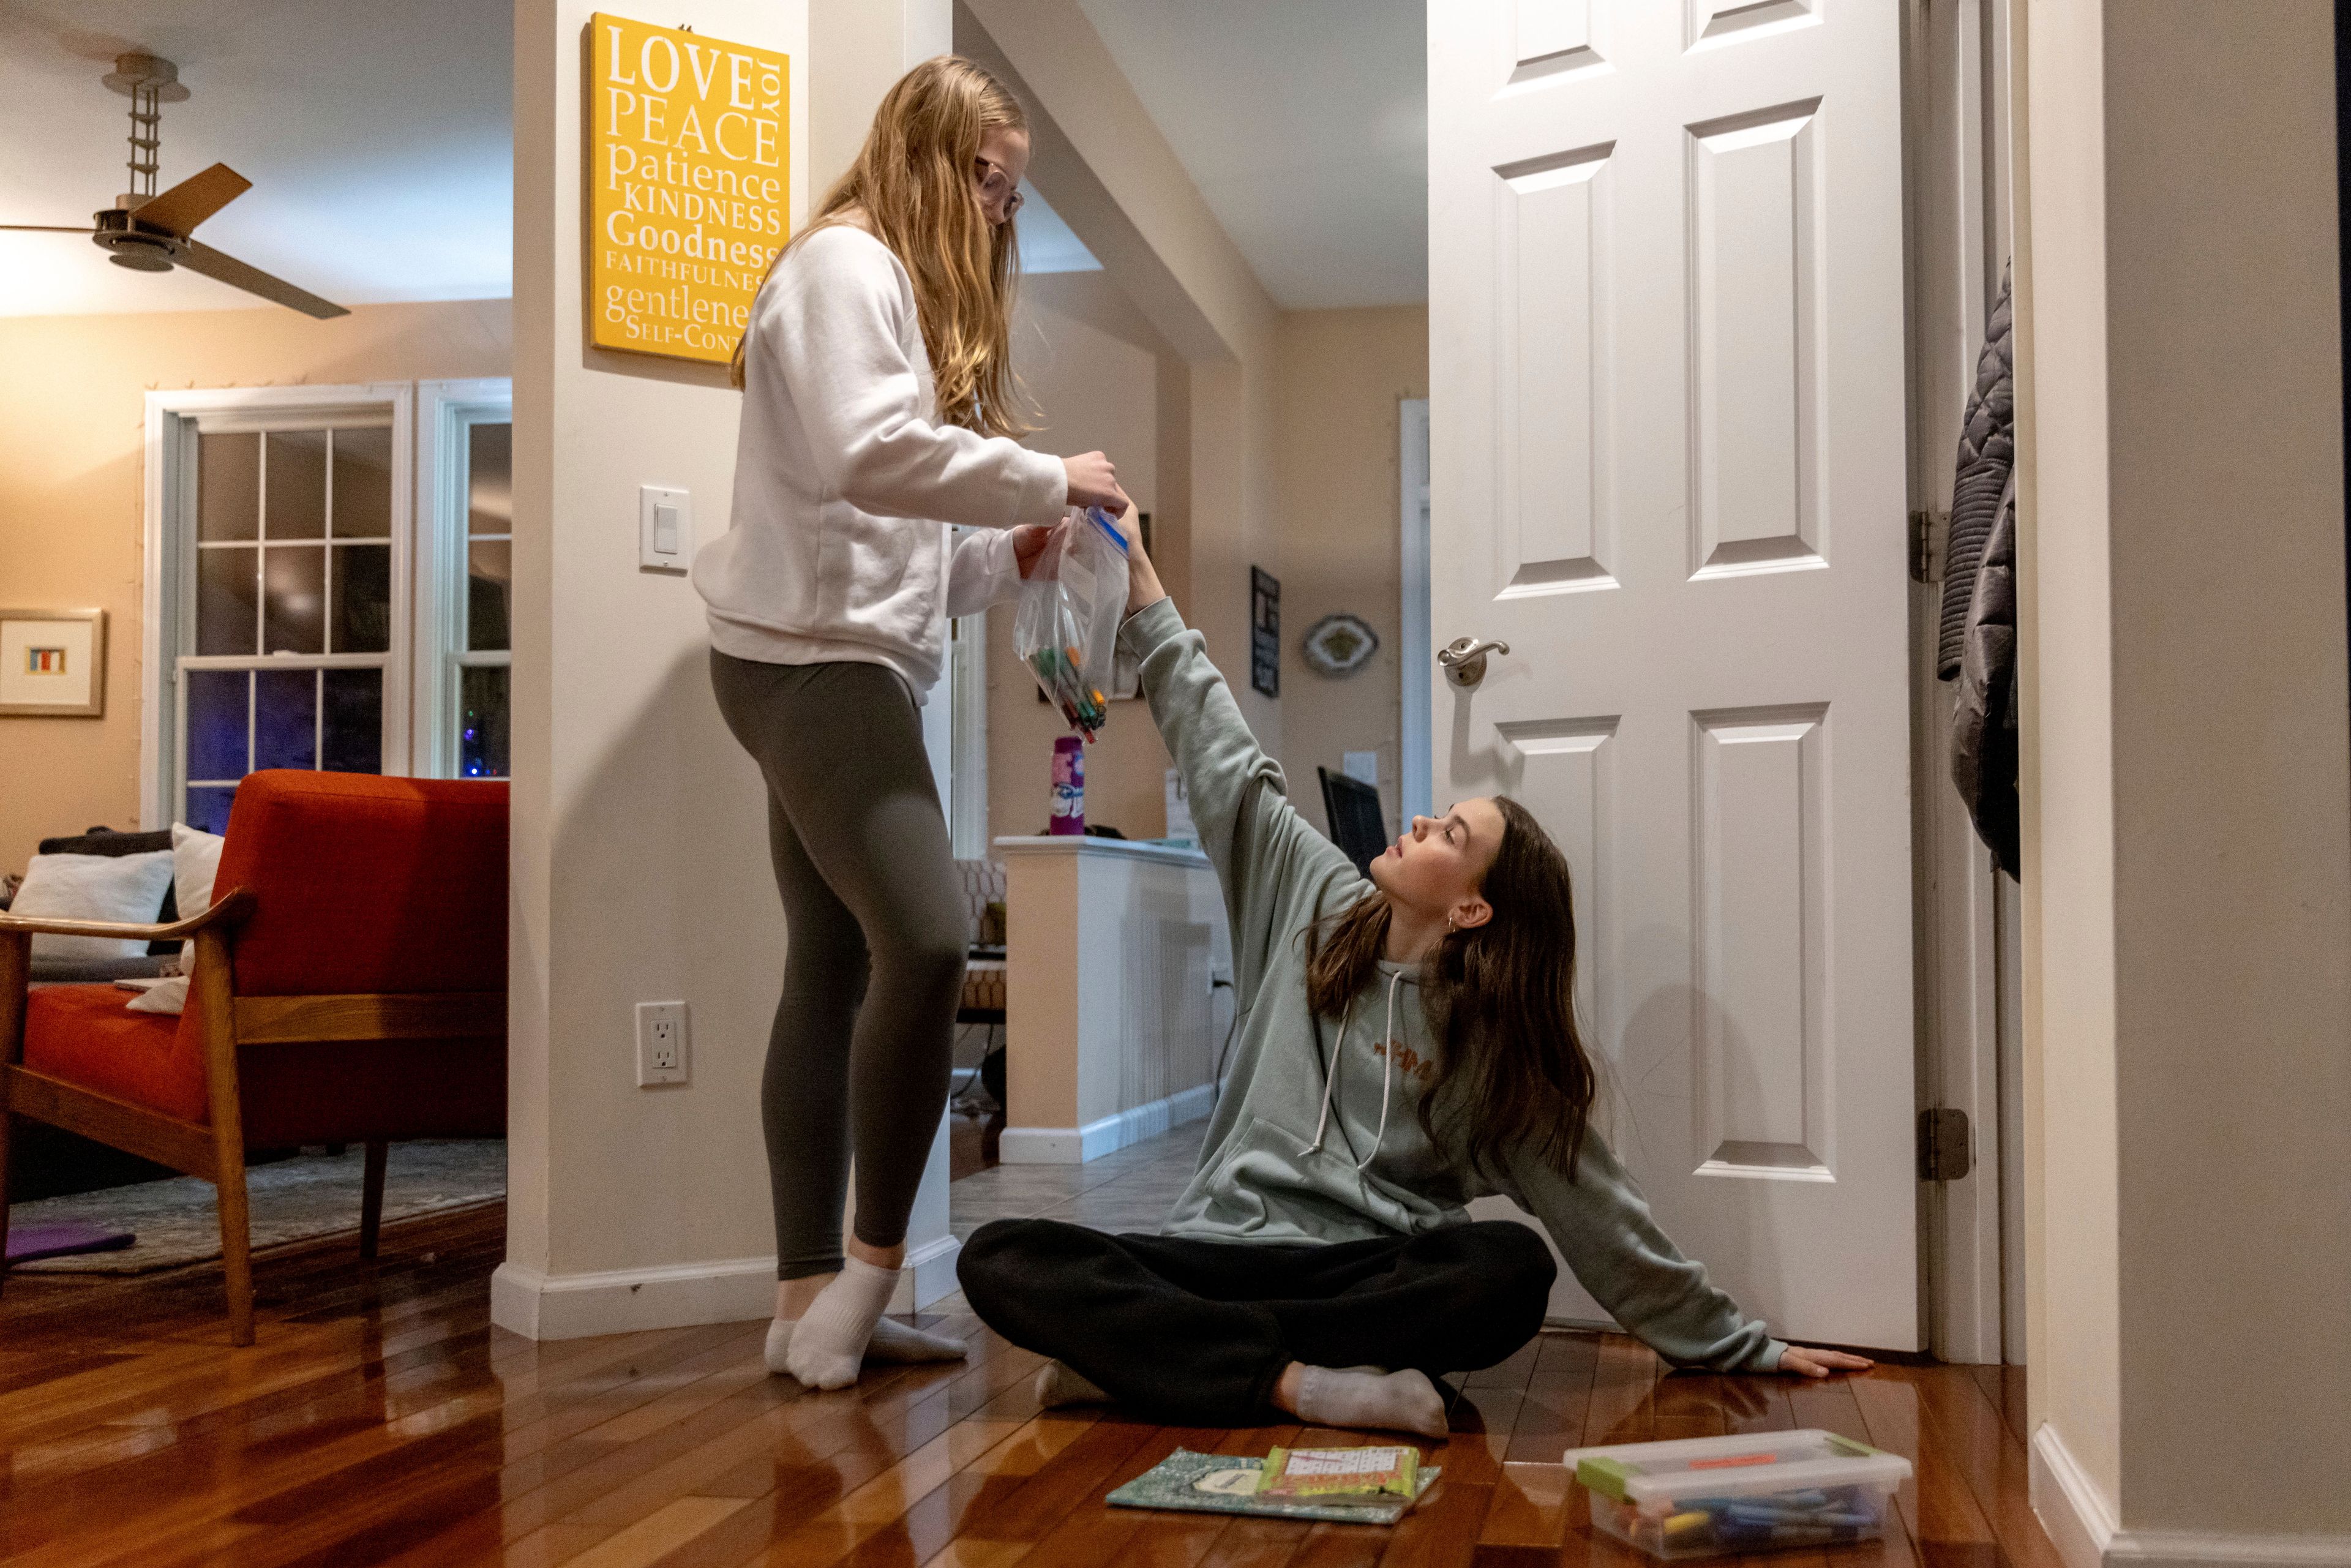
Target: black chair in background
(1358,826)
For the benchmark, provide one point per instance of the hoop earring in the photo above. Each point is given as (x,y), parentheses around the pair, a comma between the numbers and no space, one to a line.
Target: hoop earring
(1448,926)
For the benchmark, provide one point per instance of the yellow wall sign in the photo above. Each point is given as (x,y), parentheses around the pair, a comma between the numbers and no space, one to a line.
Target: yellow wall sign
(690,186)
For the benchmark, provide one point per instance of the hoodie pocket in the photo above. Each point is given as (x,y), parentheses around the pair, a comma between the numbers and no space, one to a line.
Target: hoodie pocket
(1274,1180)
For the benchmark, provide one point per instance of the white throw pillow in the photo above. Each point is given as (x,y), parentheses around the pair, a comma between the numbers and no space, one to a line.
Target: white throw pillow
(195,861)
(93,887)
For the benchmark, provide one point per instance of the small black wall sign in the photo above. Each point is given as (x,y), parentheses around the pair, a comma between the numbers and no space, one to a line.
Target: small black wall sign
(1264,631)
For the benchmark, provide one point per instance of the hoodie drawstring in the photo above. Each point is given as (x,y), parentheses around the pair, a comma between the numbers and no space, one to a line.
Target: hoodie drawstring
(1387,1076)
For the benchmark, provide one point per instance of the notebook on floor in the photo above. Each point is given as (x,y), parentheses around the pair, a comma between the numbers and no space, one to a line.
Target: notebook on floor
(1226,1483)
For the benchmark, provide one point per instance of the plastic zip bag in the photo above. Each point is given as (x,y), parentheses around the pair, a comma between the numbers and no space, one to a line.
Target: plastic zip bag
(1066,630)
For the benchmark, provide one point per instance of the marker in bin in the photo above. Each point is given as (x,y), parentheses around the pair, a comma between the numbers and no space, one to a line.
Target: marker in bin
(1751,1492)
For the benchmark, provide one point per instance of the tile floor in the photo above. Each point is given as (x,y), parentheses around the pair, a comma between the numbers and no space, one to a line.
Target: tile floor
(1130,1190)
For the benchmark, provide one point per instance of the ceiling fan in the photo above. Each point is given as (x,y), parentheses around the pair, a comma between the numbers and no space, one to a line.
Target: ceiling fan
(148,231)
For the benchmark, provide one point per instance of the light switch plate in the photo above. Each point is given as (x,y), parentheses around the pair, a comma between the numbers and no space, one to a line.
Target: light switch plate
(665,518)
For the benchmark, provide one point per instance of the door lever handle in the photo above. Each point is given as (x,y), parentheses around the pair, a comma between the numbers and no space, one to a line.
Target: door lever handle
(1464,658)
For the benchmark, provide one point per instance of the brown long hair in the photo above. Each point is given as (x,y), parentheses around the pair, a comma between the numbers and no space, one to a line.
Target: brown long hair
(1511,1070)
(912,181)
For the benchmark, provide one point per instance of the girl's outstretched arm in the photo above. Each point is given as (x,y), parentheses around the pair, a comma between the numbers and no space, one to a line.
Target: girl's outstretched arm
(1603,1229)
(1274,868)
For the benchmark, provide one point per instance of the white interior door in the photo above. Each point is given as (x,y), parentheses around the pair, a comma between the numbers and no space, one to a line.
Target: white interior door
(1668,453)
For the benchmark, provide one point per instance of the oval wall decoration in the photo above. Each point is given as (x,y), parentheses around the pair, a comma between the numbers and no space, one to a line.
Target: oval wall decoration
(1340,644)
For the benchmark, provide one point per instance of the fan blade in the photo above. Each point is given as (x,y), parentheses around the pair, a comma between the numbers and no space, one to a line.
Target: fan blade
(47,229)
(227,269)
(193,200)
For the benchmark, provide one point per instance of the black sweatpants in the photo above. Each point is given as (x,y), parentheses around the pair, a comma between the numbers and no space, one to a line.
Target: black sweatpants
(1198,1331)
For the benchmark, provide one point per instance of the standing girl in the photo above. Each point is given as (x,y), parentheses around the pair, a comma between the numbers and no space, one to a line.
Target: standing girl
(877,408)
(1406,1046)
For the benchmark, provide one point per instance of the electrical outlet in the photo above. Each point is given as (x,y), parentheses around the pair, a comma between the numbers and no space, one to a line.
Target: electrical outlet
(665,1042)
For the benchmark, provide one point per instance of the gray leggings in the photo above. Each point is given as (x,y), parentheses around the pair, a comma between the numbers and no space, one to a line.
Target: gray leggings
(858,1057)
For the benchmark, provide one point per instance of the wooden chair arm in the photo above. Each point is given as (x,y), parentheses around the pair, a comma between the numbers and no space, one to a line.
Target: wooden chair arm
(224,911)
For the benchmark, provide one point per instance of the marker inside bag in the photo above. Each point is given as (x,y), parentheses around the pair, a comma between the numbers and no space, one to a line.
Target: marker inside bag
(1072,603)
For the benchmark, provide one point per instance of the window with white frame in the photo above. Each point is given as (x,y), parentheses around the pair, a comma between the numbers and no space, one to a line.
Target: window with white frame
(465,551)
(284,534)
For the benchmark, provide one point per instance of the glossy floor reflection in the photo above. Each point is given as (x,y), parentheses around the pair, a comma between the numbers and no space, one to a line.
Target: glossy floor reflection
(382,1419)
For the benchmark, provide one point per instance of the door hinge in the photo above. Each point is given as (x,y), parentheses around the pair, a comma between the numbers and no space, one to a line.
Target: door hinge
(1946,1145)
(1922,546)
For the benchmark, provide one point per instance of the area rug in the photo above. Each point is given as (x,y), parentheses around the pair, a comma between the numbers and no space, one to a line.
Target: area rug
(176,1222)
(26,1242)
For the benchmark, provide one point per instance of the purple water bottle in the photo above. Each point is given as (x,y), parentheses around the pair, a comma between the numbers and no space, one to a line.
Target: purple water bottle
(1069,786)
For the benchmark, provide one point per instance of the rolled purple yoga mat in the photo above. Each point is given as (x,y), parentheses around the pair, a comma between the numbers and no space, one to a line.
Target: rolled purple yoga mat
(62,1238)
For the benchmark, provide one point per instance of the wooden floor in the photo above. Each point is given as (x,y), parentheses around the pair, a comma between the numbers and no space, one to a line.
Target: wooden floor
(382,1419)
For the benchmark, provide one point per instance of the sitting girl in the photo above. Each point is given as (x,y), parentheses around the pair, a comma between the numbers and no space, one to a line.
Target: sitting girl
(1404,1046)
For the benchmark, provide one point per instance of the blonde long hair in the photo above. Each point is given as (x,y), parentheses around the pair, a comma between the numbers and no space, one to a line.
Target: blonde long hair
(912,181)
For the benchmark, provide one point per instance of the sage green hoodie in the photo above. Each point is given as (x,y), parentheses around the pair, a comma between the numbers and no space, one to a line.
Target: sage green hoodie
(1317,1136)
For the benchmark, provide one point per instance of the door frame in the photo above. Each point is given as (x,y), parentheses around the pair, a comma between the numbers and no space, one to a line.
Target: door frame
(1970,1051)
(1415,656)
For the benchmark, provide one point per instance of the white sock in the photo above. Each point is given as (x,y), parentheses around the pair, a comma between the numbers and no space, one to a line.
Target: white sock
(823,1349)
(1057,1385)
(892,1341)
(1403,1401)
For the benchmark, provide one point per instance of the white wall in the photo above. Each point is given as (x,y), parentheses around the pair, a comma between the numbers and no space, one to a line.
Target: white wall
(2188,783)
(640,864)
(1109,172)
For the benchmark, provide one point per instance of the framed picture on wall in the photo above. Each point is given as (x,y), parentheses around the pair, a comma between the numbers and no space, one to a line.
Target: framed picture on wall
(1264,631)
(53,663)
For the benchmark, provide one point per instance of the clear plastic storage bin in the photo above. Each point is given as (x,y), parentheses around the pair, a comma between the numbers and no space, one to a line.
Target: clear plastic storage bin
(1754,1492)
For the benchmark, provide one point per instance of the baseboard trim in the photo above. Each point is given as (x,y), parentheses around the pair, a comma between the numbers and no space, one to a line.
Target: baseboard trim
(928,1273)
(630,1300)
(726,1291)
(2199,1548)
(1076,1145)
(2081,1524)
(2073,1510)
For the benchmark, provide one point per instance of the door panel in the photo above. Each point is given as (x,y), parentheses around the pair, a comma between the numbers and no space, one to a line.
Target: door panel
(1667,466)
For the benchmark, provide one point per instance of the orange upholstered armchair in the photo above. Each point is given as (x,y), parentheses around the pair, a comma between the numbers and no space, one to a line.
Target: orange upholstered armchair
(348,987)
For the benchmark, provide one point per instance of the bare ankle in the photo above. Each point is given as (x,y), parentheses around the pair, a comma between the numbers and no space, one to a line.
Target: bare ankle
(877,1257)
(793,1296)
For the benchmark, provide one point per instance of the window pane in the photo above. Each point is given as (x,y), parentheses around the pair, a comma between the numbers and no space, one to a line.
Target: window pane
(362,599)
(285,719)
(295,484)
(208,808)
(216,717)
(228,486)
(363,484)
(481,723)
(294,610)
(354,722)
(489,571)
(489,479)
(225,595)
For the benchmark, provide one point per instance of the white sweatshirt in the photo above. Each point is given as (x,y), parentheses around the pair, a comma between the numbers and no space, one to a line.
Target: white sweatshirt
(845,481)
